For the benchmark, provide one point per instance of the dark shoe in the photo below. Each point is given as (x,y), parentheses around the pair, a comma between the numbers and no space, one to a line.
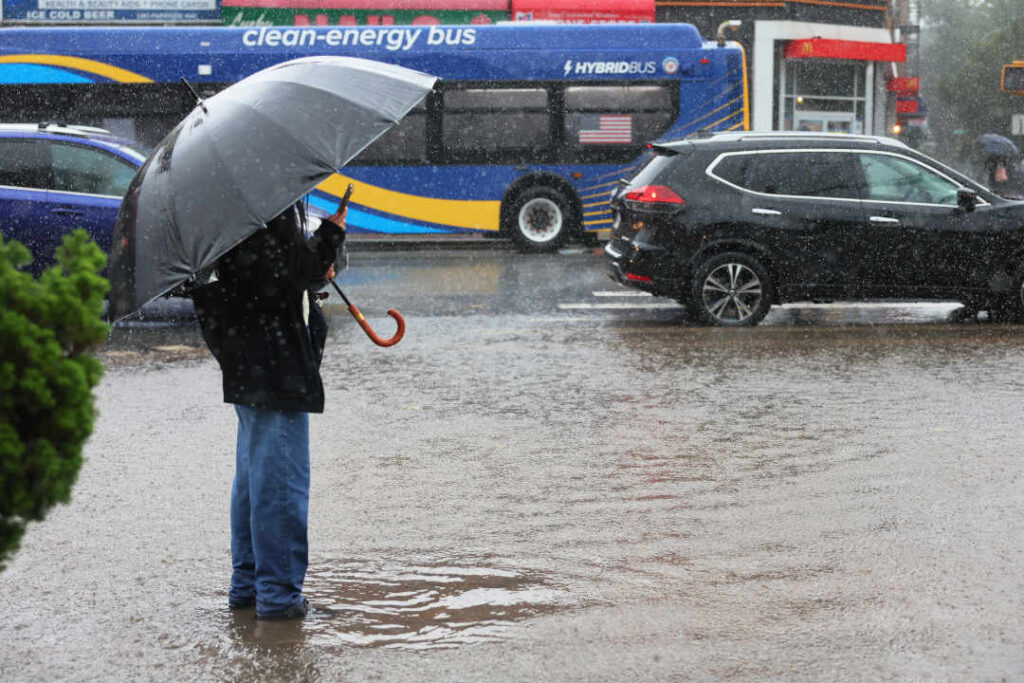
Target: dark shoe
(241,603)
(296,611)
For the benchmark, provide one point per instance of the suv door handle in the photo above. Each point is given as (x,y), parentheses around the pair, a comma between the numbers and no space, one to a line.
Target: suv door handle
(884,219)
(68,212)
(766,212)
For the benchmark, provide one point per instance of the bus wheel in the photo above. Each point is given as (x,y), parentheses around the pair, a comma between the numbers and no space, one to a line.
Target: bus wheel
(541,218)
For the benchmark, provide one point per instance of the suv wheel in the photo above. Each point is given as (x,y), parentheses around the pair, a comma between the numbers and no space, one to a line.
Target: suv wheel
(541,219)
(732,290)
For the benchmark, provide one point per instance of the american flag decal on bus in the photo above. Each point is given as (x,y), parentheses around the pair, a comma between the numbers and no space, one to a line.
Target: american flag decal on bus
(603,129)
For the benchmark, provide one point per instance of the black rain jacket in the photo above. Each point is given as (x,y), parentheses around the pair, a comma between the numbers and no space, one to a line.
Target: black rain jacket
(252,317)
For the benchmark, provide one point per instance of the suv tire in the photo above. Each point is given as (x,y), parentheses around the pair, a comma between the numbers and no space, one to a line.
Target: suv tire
(540,219)
(731,289)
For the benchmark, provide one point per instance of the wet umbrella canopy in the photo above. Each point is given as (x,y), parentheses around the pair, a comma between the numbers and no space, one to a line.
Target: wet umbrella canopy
(994,145)
(243,156)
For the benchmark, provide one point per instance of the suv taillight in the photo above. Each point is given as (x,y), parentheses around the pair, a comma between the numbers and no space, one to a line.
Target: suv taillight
(653,198)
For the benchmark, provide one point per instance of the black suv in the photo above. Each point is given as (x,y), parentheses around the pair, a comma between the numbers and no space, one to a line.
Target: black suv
(732,223)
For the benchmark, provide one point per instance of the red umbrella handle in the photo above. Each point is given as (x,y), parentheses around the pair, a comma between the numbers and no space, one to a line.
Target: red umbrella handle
(373,335)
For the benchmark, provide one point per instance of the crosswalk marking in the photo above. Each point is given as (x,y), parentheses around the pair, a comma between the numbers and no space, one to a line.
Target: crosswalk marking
(620,292)
(618,305)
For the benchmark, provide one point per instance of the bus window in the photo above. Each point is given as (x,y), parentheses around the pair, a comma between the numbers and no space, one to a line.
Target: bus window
(403,144)
(602,118)
(494,122)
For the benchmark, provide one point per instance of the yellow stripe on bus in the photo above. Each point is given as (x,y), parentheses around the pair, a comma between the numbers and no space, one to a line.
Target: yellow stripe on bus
(79,64)
(459,213)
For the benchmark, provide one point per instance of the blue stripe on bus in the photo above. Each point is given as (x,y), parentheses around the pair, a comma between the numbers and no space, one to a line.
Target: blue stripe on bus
(37,73)
(359,220)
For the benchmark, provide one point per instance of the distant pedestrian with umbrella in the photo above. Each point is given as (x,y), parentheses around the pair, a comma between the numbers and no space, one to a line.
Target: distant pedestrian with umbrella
(221,193)
(1000,160)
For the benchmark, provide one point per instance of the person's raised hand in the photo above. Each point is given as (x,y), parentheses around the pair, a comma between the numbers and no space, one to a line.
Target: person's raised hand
(338,217)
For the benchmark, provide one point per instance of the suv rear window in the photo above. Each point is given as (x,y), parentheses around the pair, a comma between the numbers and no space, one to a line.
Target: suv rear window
(652,169)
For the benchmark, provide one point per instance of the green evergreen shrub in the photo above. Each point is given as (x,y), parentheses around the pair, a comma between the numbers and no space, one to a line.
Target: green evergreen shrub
(47,328)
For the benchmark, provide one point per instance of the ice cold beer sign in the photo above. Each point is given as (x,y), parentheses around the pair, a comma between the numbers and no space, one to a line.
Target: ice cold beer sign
(110,11)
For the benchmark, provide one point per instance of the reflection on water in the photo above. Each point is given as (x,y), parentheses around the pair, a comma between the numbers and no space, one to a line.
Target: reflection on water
(862,313)
(412,607)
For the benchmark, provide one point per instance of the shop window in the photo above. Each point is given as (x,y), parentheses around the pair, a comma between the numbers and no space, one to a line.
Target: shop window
(824,96)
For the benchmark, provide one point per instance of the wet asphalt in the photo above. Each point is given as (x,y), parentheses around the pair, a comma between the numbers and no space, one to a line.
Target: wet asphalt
(551,478)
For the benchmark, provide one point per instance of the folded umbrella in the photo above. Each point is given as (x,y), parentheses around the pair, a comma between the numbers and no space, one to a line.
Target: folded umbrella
(243,156)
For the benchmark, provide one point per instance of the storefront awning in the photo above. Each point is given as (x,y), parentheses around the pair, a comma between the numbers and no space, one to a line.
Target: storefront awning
(824,48)
(584,12)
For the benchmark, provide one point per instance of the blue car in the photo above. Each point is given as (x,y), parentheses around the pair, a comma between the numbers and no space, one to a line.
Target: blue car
(56,178)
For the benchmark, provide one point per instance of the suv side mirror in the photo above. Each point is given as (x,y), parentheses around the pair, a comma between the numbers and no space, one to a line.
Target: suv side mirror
(966,199)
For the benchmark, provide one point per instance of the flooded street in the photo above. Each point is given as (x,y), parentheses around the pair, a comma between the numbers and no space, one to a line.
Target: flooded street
(536,484)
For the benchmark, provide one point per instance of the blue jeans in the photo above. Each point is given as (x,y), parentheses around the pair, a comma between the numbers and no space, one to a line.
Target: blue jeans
(270,508)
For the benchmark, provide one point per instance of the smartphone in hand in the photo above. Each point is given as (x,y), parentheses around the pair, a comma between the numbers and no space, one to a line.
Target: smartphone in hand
(346,197)
(338,217)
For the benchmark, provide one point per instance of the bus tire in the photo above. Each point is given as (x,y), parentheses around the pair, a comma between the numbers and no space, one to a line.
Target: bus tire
(541,219)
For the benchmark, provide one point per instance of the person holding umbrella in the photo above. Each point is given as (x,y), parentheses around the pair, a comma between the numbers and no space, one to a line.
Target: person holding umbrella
(261,322)
(220,193)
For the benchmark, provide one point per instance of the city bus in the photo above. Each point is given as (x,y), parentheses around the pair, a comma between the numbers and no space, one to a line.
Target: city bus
(524,137)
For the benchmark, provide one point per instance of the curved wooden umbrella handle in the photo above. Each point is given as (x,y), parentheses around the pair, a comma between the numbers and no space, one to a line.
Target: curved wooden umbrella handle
(373,335)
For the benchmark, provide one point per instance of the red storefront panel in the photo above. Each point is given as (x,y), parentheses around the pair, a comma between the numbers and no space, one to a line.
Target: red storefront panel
(904,86)
(824,48)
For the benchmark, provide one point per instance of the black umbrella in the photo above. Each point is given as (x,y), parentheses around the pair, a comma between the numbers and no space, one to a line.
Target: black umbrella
(993,145)
(243,156)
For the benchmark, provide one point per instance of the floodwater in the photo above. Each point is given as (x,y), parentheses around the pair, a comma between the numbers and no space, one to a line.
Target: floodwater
(834,495)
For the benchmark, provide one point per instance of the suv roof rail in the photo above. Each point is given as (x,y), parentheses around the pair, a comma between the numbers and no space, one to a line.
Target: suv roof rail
(815,135)
(803,134)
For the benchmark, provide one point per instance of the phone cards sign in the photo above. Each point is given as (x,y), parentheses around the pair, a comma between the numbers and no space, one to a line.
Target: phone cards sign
(110,11)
